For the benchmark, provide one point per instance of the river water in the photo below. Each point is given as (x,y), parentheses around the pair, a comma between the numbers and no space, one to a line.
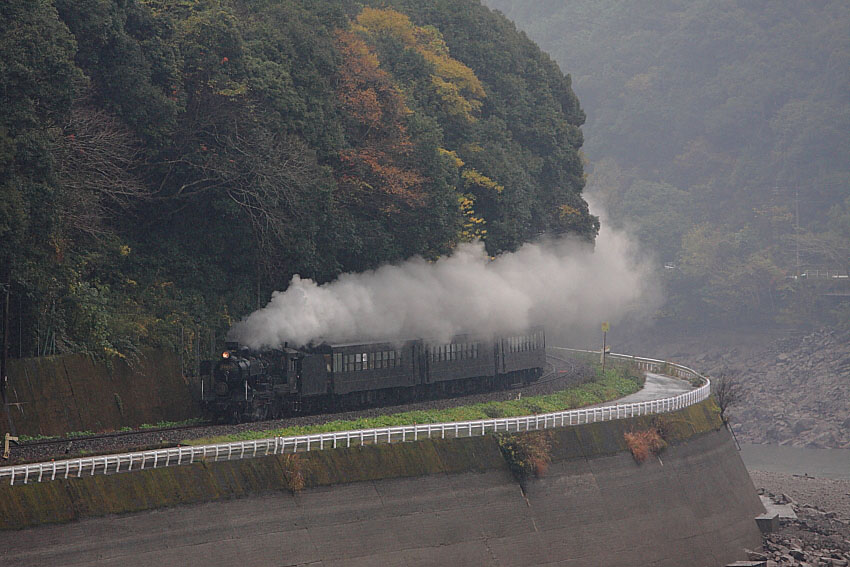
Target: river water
(821,463)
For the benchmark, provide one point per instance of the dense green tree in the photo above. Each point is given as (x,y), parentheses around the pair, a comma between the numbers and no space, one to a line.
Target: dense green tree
(166,164)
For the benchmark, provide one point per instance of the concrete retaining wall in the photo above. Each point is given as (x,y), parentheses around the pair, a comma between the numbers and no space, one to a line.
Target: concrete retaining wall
(59,394)
(444,503)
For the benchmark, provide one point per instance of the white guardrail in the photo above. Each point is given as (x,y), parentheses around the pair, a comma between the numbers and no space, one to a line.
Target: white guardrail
(142,460)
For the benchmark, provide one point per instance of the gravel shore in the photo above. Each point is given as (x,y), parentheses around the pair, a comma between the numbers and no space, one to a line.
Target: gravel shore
(820,536)
(825,494)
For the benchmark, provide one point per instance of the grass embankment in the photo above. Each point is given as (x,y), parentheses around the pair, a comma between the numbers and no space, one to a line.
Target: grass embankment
(618,380)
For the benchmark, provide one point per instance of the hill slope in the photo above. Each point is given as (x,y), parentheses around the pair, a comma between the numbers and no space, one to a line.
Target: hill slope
(166,164)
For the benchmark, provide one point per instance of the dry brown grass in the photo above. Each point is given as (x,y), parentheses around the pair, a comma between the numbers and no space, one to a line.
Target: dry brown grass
(645,442)
(294,472)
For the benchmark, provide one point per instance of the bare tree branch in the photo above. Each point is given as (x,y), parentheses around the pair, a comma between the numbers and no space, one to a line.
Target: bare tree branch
(96,157)
(726,395)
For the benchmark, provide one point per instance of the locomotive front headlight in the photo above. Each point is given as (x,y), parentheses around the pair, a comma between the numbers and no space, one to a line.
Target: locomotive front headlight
(225,354)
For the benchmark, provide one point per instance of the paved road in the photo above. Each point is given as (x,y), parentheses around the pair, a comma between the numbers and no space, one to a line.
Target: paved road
(657,386)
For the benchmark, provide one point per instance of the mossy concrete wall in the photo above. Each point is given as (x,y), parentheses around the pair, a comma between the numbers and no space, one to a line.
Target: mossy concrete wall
(435,502)
(59,394)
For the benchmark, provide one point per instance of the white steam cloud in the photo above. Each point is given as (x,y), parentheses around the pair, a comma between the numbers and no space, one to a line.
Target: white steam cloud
(561,284)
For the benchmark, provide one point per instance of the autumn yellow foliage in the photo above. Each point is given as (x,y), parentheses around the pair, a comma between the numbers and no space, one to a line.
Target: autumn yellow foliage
(565,211)
(452,155)
(473,226)
(472,177)
(455,83)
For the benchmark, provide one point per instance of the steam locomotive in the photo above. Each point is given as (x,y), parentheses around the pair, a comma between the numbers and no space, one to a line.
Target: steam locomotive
(246,385)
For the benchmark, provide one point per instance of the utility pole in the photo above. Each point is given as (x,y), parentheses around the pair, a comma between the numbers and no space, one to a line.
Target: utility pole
(797,226)
(5,358)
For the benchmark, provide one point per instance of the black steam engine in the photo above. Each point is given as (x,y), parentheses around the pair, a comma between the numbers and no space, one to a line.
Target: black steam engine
(245,385)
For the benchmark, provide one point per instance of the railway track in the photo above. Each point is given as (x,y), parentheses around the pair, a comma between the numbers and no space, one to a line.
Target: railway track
(559,371)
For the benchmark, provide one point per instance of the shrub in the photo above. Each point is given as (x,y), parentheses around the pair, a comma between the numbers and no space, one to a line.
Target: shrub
(642,443)
(528,453)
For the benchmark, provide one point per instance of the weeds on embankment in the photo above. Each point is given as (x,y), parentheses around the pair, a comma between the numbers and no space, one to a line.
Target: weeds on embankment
(645,442)
(527,453)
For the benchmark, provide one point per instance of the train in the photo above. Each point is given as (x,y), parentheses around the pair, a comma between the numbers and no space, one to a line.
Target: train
(248,385)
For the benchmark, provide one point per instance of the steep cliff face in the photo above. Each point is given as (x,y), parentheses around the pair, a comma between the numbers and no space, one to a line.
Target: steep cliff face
(436,502)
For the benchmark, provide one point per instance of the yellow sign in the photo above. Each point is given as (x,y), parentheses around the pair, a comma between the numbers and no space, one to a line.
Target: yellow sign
(605,327)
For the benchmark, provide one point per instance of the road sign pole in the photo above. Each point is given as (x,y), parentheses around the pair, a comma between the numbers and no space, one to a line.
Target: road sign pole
(605,327)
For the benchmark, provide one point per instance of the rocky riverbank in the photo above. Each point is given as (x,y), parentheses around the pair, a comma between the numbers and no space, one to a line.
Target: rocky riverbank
(820,535)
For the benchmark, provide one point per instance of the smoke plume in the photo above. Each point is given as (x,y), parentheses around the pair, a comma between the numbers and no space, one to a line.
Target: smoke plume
(562,284)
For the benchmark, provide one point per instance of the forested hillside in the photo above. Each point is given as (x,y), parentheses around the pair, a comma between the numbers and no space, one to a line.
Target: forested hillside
(166,164)
(719,132)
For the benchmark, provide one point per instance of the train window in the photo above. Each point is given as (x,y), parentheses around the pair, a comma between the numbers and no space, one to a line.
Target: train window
(372,361)
(337,362)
